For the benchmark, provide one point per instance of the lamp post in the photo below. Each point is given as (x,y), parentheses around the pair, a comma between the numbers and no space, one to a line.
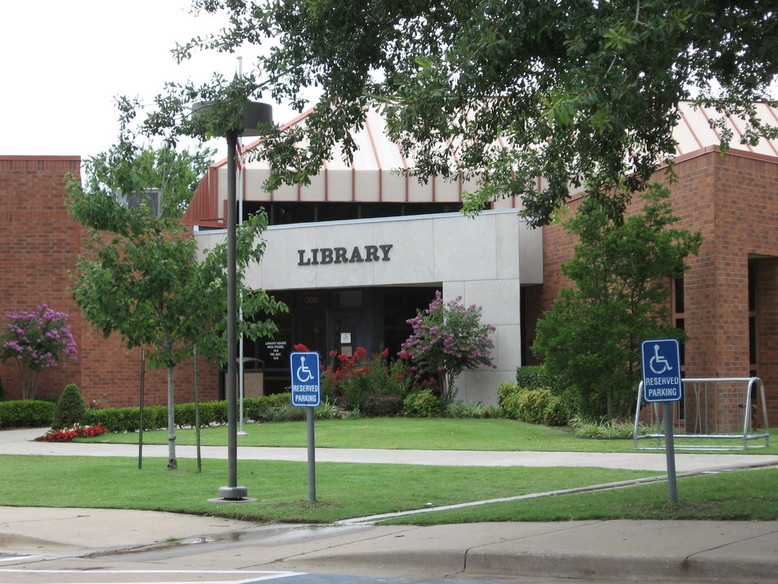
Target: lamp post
(253,115)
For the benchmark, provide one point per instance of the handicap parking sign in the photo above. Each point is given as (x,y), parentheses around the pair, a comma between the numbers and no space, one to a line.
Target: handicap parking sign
(306,384)
(661,370)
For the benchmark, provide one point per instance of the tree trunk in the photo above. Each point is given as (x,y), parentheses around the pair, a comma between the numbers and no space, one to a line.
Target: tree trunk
(171,420)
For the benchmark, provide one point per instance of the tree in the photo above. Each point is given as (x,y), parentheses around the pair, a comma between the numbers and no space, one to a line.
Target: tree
(448,338)
(591,336)
(69,409)
(141,276)
(37,340)
(579,93)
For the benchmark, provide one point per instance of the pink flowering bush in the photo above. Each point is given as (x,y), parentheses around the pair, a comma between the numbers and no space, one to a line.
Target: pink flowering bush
(447,339)
(36,340)
(67,434)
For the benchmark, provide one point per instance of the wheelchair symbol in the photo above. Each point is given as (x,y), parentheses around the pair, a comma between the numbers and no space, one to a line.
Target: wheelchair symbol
(658,363)
(303,373)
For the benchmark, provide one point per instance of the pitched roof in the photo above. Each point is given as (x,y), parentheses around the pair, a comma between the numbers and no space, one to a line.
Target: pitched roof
(374,175)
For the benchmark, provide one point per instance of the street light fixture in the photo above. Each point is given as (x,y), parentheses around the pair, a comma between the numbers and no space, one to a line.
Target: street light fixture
(255,119)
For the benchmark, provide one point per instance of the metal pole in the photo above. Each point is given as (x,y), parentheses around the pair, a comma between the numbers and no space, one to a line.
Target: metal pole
(311,456)
(241,364)
(670,452)
(141,421)
(232,491)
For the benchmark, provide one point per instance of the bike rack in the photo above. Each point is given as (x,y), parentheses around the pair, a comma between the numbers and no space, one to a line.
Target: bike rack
(701,396)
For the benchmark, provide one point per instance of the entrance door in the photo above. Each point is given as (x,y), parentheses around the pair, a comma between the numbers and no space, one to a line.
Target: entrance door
(343,331)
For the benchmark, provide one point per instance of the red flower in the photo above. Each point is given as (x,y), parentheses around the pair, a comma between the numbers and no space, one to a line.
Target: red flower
(385,353)
(68,434)
(300,347)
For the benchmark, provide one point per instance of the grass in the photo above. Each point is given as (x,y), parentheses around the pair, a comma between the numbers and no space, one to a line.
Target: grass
(724,496)
(343,490)
(356,490)
(404,434)
(390,433)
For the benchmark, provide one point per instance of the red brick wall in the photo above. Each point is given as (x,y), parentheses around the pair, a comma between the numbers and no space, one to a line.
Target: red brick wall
(732,200)
(40,245)
(767,331)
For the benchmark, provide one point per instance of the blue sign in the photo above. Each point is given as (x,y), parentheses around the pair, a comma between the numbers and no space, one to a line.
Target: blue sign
(661,370)
(306,382)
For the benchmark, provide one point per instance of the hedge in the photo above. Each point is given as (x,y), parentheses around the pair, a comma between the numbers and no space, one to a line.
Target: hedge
(37,414)
(26,414)
(258,409)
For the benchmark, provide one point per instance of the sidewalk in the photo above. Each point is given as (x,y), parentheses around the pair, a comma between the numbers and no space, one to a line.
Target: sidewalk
(651,551)
(21,442)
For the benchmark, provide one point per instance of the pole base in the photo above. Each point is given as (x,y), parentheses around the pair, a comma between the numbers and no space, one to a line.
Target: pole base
(233,493)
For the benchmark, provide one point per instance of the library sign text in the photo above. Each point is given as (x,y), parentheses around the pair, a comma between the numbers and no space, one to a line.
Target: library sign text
(342,255)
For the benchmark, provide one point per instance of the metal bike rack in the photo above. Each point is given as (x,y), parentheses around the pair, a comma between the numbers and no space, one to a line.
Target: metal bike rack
(700,408)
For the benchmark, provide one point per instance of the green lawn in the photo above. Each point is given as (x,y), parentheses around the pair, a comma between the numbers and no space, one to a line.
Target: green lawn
(343,490)
(405,433)
(356,490)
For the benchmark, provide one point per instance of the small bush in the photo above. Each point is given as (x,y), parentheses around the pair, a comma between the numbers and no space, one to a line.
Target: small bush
(504,391)
(26,414)
(462,409)
(605,430)
(326,411)
(262,409)
(354,380)
(535,406)
(286,413)
(382,405)
(210,413)
(422,404)
(70,408)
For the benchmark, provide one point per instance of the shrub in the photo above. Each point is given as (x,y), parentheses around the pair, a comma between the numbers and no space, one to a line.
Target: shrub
(25,414)
(605,430)
(535,406)
(504,391)
(261,409)
(352,381)
(270,408)
(210,413)
(423,403)
(70,408)
(326,411)
(382,405)
(462,409)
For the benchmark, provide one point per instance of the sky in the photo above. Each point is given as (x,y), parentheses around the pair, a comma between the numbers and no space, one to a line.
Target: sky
(64,63)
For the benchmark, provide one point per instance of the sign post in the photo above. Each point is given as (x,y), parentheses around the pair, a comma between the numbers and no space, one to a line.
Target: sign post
(662,383)
(306,392)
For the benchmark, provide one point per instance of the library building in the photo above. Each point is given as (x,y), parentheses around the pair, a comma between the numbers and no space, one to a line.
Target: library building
(359,250)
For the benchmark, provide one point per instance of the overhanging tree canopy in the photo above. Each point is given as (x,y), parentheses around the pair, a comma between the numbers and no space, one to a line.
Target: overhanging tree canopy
(579,93)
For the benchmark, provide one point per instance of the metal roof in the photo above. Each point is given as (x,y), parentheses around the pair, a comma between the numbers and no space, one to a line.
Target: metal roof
(375,173)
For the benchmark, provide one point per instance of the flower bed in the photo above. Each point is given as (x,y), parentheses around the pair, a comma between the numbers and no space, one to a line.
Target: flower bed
(67,434)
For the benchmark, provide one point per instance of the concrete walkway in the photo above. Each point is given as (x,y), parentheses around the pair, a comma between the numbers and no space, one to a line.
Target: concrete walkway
(651,551)
(22,442)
